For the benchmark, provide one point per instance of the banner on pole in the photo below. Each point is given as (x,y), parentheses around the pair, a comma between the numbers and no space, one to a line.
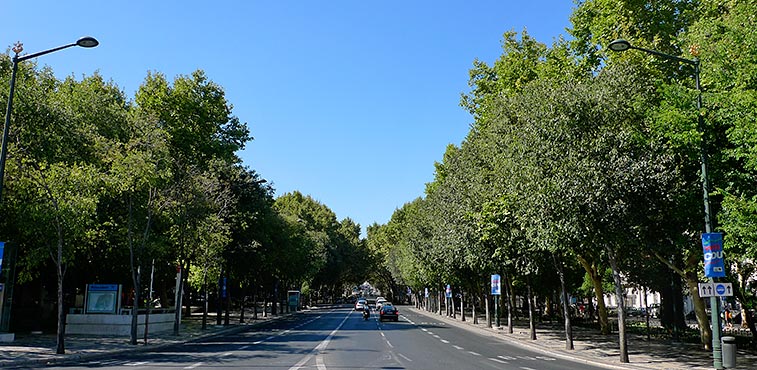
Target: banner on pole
(712,246)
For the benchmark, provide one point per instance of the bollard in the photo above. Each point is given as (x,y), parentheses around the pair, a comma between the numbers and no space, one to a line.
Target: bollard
(729,352)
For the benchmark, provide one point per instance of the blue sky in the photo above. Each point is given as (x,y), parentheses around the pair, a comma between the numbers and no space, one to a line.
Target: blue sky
(350,102)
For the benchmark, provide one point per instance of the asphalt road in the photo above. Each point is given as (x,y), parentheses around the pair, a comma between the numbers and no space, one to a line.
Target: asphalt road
(341,339)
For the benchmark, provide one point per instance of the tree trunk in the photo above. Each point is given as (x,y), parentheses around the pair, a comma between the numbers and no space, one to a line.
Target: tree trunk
(564,299)
(60,348)
(135,306)
(205,297)
(488,311)
(531,323)
(462,306)
(705,332)
(620,296)
(596,282)
(510,304)
(690,276)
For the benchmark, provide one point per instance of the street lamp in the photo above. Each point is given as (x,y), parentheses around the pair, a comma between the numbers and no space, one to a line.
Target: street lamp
(620,45)
(85,42)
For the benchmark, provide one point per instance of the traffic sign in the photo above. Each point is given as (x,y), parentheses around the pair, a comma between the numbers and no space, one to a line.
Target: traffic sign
(705,290)
(724,289)
(715,290)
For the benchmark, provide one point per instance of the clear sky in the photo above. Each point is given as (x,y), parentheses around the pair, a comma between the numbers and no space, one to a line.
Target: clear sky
(350,102)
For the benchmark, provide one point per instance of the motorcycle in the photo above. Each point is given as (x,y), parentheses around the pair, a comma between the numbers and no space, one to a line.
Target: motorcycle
(366,314)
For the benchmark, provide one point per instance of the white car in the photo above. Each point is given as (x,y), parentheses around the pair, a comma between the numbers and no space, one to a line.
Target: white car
(380,302)
(360,304)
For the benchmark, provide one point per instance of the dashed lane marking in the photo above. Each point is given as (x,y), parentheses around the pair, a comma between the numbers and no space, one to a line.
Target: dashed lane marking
(405,357)
(444,341)
(458,347)
(474,353)
(498,360)
(136,363)
(193,365)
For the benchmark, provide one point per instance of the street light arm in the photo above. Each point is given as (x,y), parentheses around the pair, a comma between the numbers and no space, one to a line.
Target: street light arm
(694,62)
(30,56)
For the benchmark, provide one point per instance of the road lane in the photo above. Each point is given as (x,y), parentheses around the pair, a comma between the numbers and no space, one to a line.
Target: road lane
(340,339)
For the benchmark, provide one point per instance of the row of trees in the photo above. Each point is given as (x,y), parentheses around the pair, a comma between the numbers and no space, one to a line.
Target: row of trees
(581,162)
(99,187)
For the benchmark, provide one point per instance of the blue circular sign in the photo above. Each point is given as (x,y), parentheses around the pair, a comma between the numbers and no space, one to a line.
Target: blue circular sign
(720,289)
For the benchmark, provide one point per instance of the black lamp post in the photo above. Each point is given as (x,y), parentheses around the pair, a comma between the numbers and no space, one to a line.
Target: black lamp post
(623,45)
(85,42)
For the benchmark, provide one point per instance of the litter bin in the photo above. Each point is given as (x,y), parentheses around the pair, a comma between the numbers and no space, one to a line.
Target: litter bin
(729,352)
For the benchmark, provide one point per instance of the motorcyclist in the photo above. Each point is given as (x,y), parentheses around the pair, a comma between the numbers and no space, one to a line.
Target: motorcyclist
(366,311)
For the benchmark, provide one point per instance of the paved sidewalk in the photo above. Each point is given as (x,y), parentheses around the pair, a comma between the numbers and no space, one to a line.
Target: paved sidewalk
(38,350)
(600,350)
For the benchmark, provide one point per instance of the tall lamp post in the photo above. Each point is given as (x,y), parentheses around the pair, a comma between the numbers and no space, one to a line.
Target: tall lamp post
(85,42)
(623,45)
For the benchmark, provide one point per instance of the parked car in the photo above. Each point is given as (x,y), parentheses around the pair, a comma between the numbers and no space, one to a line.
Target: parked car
(389,312)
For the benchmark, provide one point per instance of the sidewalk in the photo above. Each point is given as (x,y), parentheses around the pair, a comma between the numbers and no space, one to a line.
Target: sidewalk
(37,350)
(600,350)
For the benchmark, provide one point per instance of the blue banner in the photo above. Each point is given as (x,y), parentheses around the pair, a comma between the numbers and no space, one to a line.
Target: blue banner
(496,285)
(712,246)
(2,249)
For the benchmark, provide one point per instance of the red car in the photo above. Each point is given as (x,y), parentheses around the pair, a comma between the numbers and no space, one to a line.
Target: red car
(388,311)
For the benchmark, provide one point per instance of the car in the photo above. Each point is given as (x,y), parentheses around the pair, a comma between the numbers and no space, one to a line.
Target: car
(360,304)
(389,312)
(380,301)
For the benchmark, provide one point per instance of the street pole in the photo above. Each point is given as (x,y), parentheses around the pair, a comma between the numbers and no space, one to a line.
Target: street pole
(86,42)
(622,45)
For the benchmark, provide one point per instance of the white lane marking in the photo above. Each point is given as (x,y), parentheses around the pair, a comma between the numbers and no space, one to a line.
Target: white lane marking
(526,368)
(436,336)
(382,334)
(136,363)
(508,358)
(430,333)
(498,360)
(244,347)
(390,344)
(474,353)
(546,358)
(319,362)
(444,341)
(193,365)
(404,357)
(227,354)
(320,347)
(527,358)
(424,329)
(258,342)
(458,347)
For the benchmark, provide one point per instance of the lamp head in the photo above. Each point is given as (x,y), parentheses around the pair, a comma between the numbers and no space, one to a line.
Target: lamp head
(619,45)
(87,42)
